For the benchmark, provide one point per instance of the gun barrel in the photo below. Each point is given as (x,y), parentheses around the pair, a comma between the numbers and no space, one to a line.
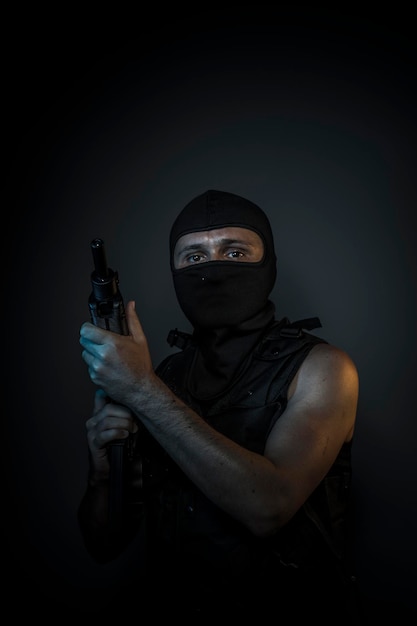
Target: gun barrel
(99,258)
(105,301)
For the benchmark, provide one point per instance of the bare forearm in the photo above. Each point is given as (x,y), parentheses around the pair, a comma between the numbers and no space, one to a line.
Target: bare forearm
(93,520)
(236,479)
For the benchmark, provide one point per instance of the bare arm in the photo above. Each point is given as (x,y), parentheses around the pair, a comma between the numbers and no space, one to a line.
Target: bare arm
(109,422)
(262,492)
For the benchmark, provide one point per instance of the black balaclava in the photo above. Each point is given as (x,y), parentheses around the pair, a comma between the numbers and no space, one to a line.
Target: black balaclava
(226,302)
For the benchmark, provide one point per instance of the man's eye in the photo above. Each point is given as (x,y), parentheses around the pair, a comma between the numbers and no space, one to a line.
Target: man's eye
(193,258)
(235,254)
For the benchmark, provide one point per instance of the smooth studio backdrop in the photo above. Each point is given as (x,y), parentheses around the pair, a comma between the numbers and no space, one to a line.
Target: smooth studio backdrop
(309,115)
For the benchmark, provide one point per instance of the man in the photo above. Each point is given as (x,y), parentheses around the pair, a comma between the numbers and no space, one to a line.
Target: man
(239,467)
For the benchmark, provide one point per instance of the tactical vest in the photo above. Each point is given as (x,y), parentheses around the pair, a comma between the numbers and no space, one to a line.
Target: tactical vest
(188,528)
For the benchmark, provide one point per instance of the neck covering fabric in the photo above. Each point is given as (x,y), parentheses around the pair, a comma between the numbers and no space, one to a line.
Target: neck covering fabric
(227,302)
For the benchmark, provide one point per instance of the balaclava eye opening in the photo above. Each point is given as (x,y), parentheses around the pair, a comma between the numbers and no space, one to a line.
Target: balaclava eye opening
(219,294)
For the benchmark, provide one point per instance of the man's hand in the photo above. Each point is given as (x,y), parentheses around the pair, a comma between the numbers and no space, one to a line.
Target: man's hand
(109,422)
(118,364)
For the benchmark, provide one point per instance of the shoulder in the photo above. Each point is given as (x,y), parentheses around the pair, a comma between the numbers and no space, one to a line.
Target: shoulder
(326,367)
(326,354)
(326,388)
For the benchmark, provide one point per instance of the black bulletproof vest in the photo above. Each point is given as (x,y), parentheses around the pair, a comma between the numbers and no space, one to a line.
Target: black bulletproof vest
(188,527)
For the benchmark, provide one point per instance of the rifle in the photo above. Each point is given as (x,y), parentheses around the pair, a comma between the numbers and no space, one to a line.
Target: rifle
(107,311)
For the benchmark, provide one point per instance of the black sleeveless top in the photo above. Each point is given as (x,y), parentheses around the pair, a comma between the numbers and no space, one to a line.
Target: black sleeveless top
(194,560)
(200,548)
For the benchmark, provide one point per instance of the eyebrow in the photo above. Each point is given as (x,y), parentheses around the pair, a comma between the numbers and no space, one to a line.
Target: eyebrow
(223,241)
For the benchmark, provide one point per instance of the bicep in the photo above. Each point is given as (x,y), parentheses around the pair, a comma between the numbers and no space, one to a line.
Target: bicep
(318,419)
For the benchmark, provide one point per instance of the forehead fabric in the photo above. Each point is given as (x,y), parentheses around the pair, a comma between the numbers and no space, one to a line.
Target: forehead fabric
(216,209)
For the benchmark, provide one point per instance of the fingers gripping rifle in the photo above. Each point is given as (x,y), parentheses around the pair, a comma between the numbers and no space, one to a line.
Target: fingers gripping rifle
(107,311)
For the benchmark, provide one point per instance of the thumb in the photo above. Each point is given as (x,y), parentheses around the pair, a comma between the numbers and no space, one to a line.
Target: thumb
(100,400)
(133,323)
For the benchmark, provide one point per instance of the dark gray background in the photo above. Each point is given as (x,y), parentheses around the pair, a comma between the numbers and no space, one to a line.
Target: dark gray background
(312,116)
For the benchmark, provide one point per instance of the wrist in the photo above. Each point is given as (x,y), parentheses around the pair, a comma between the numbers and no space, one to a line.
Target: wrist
(98,479)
